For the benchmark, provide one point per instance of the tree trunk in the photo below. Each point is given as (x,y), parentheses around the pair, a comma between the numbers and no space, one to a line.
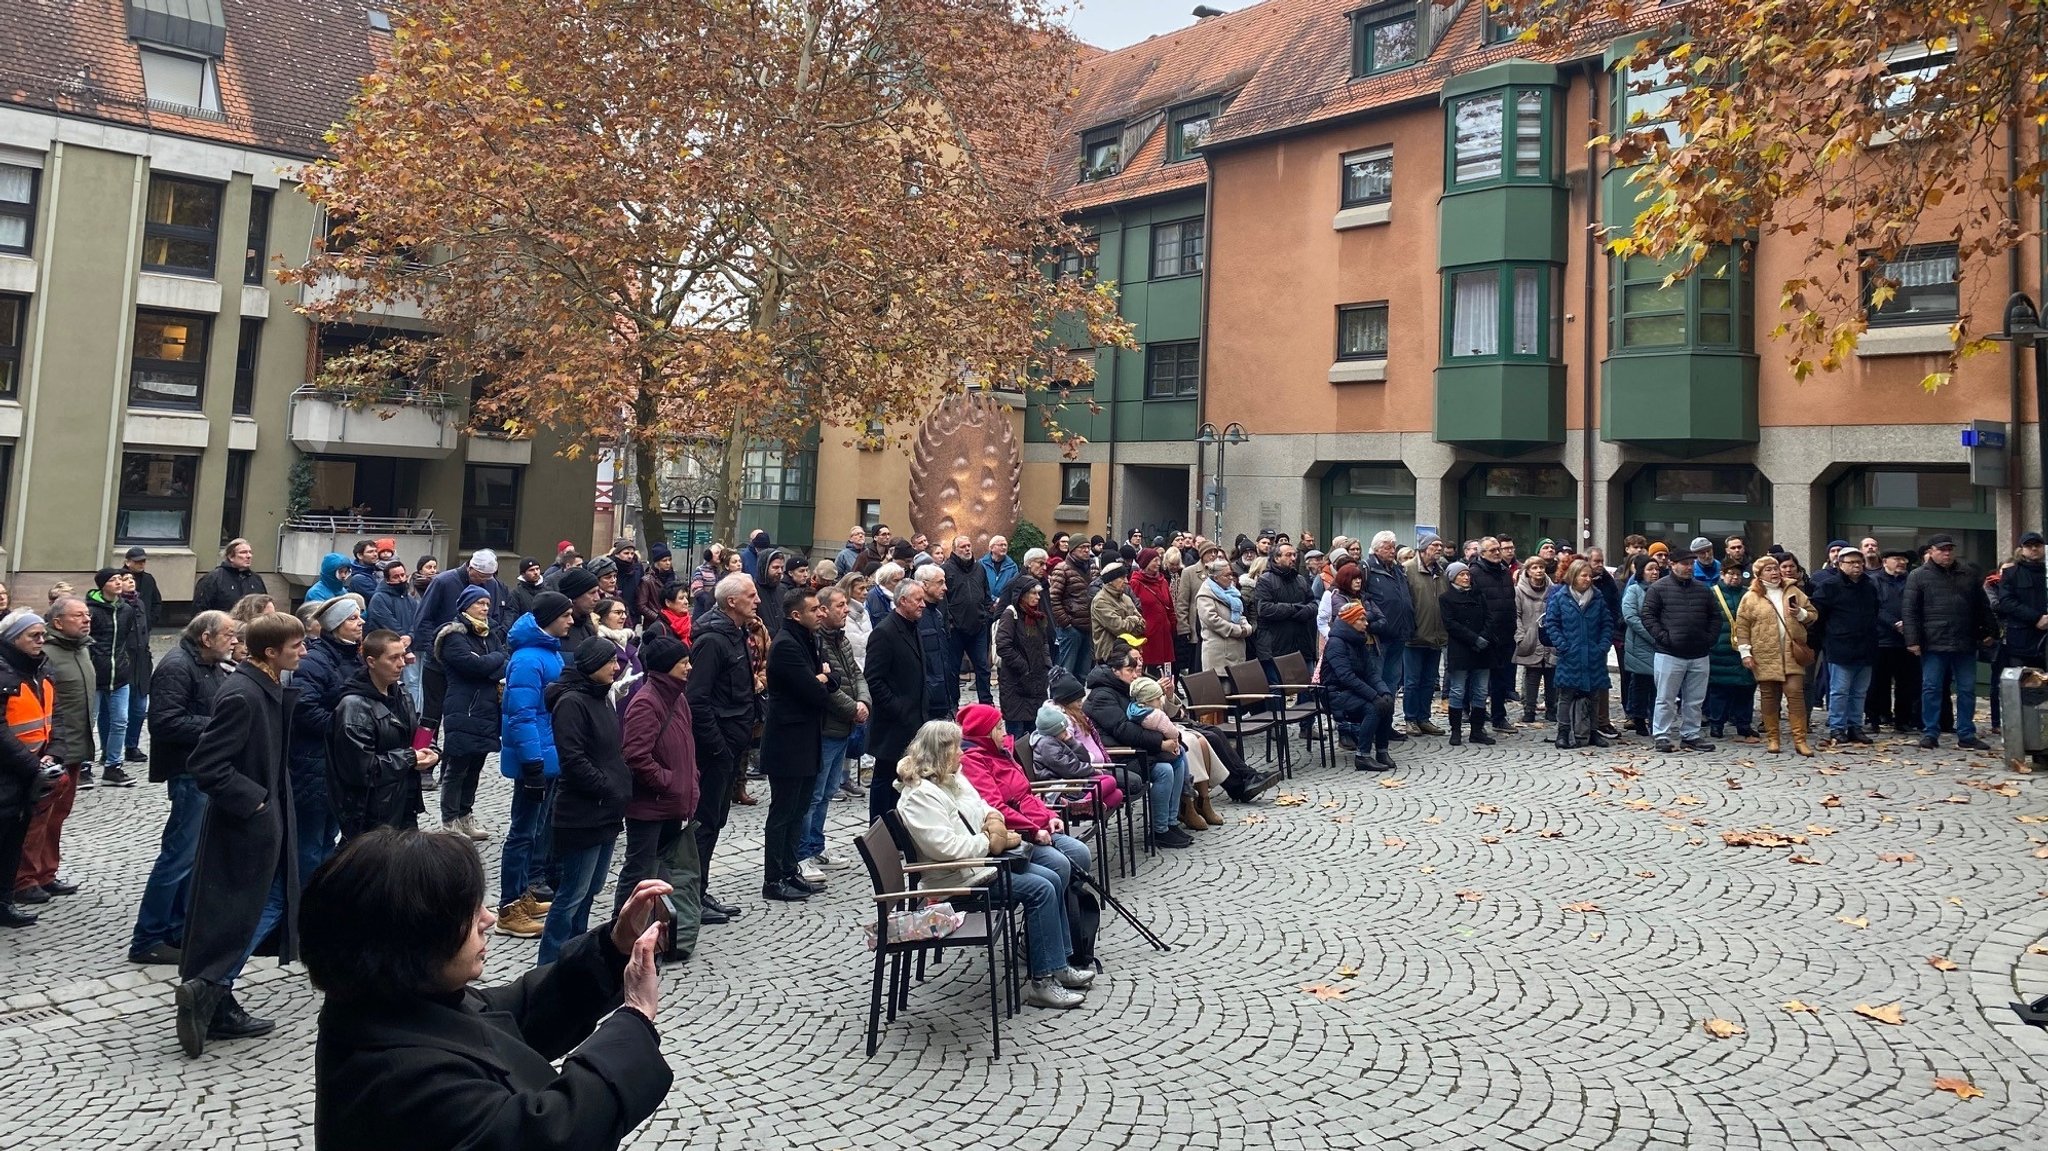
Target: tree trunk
(647,484)
(732,486)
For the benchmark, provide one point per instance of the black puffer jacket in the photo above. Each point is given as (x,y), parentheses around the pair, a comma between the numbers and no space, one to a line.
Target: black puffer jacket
(1495,583)
(2022,600)
(723,706)
(372,775)
(114,622)
(1466,622)
(1108,699)
(1286,614)
(180,702)
(1850,607)
(1681,617)
(472,708)
(1945,609)
(591,793)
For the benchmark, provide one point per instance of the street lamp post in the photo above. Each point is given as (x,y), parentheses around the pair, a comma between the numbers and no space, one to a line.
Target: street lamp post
(2022,329)
(1232,433)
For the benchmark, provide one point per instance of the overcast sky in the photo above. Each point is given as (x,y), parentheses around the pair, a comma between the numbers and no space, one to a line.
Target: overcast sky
(1118,23)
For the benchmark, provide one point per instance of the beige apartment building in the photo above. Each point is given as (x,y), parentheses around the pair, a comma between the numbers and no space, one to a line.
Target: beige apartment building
(154,374)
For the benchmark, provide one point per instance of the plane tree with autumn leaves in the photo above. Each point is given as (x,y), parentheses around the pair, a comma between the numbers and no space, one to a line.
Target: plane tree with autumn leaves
(1856,128)
(672,221)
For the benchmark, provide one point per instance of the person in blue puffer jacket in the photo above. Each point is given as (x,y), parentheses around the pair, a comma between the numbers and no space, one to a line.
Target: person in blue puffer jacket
(526,755)
(333,579)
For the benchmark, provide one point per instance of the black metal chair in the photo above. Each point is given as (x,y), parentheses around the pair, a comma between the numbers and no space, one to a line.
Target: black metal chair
(894,882)
(1302,700)
(1248,714)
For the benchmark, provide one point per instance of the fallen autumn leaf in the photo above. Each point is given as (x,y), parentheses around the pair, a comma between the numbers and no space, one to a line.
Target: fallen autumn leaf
(1941,963)
(1890,1013)
(1721,1028)
(1962,1088)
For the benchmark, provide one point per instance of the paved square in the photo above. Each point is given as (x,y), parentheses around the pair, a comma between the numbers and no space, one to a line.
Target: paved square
(1486,1011)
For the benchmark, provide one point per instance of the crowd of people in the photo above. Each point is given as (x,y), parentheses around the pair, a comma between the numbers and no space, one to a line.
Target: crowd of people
(628,703)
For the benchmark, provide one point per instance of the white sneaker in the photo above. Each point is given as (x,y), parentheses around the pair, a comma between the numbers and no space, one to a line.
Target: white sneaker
(1048,993)
(810,872)
(1074,979)
(827,859)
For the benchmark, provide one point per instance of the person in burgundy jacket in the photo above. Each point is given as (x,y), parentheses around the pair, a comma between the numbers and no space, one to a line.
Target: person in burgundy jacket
(661,751)
(986,763)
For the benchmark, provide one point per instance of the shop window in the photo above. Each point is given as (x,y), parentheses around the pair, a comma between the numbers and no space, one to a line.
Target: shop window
(1920,286)
(1674,504)
(1901,507)
(490,507)
(1526,502)
(1362,500)
(1368,177)
(181,227)
(169,365)
(156,499)
(1362,332)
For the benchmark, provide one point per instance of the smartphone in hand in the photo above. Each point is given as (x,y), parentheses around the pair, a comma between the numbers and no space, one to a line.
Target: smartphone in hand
(665,915)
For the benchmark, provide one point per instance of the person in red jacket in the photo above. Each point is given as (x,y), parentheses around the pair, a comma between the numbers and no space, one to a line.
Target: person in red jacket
(661,750)
(1154,593)
(986,763)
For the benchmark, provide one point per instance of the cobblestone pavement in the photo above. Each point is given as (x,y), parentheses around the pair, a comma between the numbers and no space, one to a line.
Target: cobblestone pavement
(1538,938)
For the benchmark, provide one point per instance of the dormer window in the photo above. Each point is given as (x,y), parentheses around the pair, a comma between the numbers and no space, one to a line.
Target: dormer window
(180,83)
(1102,154)
(1190,128)
(1384,37)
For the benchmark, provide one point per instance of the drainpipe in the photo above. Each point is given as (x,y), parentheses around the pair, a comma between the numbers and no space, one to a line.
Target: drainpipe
(2015,471)
(1588,411)
(1202,327)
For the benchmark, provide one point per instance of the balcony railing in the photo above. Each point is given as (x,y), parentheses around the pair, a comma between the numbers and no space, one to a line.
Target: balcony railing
(406,424)
(305,540)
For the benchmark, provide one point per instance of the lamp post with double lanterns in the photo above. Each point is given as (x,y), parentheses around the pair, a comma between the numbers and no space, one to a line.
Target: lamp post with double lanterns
(2022,329)
(1232,433)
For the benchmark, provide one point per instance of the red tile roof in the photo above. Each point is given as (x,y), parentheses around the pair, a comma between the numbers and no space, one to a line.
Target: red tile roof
(289,72)
(1216,56)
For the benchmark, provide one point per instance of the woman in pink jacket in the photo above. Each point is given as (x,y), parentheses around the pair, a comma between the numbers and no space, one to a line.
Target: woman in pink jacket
(986,763)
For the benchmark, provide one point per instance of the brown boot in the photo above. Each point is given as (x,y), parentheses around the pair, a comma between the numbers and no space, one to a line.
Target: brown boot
(1205,807)
(1189,817)
(1796,711)
(1770,707)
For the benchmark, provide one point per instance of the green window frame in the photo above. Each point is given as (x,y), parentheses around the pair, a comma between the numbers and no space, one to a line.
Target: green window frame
(1500,136)
(1190,127)
(1647,92)
(1384,38)
(1173,371)
(775,475)
(1498,31)
(1712,308)
(1502,312)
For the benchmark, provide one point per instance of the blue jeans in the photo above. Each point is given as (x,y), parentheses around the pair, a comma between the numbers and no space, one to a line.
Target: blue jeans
(523,850)
(113,717)
(1681,691)
(831,773)
(1393,673)
(1044,899)
(584,873)
(1168,781)
(1075,650)
(1937,669)
(1419,666)
(162,918)
(1063,857)
(273,913)
(1467,688)
(413,687)
(1848,685)
(138,716)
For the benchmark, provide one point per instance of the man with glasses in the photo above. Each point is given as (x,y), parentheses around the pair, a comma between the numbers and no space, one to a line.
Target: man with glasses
(1947,621)
(181,694)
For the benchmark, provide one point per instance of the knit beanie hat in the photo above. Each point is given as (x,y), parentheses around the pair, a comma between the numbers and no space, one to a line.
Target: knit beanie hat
(549,606)
(1065,688)
(601,567)
(100,577)
(576,582)
(661,654)
(1452,572)
(16,624)
(1147,691)
(484,560)
(469,595)
(594,653)
(1051,720)
(979,721)
(339,610)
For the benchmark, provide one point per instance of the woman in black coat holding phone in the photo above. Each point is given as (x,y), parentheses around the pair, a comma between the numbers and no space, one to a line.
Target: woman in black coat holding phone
(411,1057)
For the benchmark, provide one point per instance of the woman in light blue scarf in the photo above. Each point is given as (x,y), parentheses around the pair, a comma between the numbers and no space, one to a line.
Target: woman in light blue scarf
(1220,618)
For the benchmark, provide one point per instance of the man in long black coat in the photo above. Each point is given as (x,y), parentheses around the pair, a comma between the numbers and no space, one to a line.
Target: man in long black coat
(723,708)
(792,741)
(245,878)
(1494,580)
(895,675)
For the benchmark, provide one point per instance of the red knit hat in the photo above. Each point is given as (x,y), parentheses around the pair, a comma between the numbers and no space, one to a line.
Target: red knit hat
(980,721)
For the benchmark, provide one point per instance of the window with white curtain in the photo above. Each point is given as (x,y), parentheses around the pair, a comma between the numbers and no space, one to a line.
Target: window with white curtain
(17,206)
(1475,313)
(1528,312)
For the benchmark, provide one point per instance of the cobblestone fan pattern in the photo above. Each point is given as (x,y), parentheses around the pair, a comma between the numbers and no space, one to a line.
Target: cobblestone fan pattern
(1537,939)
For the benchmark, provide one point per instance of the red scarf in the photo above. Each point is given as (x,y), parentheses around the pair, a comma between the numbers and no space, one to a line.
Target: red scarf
(679,624)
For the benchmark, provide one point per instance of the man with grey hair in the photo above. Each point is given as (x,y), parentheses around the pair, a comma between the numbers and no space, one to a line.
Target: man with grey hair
(969,612)
(941,679)
(181,692)
(849,556)
(68,664)
(1422,661)
(1392,623)
(724,708)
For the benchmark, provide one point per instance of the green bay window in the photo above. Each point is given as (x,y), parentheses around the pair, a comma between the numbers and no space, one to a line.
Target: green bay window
(1711,308)
(1501,136)
(1503,311)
